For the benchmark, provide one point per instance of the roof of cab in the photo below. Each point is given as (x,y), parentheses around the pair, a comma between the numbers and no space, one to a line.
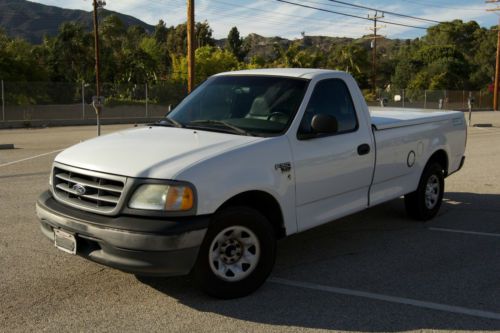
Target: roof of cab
(307,73)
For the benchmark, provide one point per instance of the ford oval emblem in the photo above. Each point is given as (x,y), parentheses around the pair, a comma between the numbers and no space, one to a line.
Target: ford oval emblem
(79,189)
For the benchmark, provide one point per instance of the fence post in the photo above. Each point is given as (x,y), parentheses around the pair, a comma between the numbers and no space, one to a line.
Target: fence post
(83,100)
(3,104)
(480,98)
(445,104)
(425,99)
(469,104)
(146,99)
(403,97)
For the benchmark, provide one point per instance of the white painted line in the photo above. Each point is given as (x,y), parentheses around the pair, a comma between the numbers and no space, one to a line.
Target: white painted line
(30,158)
(391,299)
(478,233)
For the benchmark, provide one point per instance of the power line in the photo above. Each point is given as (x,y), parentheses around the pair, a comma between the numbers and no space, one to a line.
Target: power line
(216,13)
(266,11)
(431,4)
(349,15)
(386,12)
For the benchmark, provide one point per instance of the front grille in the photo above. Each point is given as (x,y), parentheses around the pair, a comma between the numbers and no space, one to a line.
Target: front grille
(87,190)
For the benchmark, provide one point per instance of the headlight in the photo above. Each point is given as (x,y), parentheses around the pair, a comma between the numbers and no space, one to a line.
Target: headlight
(162,197)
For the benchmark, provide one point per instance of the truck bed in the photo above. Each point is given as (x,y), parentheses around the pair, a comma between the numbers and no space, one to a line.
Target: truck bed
(385,118)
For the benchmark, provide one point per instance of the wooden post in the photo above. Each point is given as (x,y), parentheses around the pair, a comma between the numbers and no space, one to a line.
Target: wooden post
(146,86)
(190,44)
(83,100)
(497,63)
(3,103)
(497,71)
(97,63)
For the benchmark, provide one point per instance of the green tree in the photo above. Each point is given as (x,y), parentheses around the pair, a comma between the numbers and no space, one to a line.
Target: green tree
(177,40)
(161,32)
(234,44)
(19,61)
(352,58)
(71,54)
(297,56)
(457,33)
(177,37)
(209,61)
(203,34)
(483,64)
(440,67)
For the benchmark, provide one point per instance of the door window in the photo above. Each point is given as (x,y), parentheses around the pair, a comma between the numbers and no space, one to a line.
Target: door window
(330,97)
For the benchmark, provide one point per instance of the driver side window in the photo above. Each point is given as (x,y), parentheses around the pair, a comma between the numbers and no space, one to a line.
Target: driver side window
(330,97)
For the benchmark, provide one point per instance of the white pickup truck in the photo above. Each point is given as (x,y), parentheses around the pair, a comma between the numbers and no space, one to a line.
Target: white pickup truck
(247,158)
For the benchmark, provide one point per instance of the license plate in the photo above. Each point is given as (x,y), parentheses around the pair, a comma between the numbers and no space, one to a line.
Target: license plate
(64,241)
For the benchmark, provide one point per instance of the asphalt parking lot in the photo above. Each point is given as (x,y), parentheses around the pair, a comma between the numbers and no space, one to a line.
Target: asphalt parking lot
(375,271)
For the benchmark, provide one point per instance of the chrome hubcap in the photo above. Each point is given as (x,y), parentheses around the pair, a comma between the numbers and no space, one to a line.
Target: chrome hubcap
(234,253)
(432,192)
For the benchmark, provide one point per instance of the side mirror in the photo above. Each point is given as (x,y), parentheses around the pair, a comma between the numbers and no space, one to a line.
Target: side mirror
(323,123)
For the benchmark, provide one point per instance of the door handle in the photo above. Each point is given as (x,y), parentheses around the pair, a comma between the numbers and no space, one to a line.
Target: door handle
(363,149)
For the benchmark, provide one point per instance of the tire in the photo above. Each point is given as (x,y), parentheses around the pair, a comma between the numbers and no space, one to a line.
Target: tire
(237,253)
(424,203)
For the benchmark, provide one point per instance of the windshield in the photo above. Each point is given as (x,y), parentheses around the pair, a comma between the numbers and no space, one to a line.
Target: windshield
(251,105)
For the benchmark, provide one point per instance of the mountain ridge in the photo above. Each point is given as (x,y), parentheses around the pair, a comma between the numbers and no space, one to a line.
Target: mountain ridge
(32,21)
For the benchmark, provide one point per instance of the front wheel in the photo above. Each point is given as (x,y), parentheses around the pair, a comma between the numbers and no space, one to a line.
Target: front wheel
(237,254)
(424,203)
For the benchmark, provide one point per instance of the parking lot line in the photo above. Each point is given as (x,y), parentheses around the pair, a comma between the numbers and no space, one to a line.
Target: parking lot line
(31,157)
(478,233)
(387,298)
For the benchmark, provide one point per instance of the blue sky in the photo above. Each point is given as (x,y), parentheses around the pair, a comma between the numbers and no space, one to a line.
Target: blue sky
(273,18)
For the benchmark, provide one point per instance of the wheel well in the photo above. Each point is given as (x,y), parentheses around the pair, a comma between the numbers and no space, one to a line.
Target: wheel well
(263,202)
(440,157)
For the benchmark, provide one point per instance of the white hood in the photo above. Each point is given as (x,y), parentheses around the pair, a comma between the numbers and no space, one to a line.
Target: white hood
(150,152)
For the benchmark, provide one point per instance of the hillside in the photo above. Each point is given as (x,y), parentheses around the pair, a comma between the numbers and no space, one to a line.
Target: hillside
(32,21)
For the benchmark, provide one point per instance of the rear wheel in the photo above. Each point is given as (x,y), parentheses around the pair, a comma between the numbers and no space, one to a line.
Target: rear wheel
(424,203)
(237,254)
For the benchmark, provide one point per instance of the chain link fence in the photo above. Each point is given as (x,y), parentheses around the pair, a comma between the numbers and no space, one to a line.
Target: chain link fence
(35,101)
(434,99)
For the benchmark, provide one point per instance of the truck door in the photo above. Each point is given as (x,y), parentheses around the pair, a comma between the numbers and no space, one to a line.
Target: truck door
(332,172)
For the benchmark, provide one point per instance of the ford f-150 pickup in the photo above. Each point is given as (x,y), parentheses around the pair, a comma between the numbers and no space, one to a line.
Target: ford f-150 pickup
(247,158)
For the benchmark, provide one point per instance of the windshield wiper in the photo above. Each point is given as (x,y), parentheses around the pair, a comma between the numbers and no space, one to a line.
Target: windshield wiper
(171,122)
(235,129)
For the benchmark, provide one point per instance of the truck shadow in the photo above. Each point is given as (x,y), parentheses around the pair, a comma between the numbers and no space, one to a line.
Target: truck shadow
(380,251)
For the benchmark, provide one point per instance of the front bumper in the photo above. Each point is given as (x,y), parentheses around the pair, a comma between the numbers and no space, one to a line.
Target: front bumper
(139,245)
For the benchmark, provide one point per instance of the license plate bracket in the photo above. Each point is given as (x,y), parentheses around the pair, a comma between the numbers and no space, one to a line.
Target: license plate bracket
(64,241)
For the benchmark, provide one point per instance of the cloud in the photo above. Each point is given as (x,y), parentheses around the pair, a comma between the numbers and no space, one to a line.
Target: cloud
(271,18)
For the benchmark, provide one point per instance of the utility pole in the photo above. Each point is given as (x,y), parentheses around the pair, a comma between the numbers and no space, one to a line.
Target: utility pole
(97,100)
(497,64)
(3,103)
(374,38)
(190,44)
